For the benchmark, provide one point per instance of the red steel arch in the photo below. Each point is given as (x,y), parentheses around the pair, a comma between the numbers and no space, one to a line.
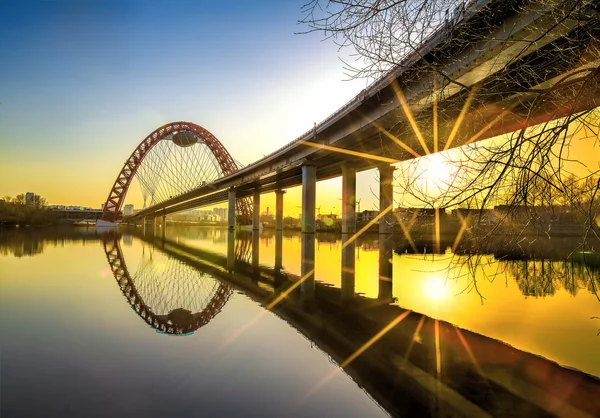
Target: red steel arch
(116,197)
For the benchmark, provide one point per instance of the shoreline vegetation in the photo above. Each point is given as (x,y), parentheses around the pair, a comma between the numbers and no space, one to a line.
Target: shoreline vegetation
(18,211)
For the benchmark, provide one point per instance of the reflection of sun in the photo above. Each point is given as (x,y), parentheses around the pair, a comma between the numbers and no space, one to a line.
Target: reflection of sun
(435,288)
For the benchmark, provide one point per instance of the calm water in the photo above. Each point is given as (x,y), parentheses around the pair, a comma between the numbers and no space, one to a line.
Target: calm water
(75,342)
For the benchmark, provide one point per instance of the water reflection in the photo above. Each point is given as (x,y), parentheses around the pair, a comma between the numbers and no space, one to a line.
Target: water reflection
(23,242)
(433,366)
(169,295)
(415,355)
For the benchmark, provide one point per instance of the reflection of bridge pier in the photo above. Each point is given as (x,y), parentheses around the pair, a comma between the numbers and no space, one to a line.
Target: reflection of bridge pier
(256,209)
(231,250)
(309,200)
(278,267)
(255,249)
(386,268)
(348,268)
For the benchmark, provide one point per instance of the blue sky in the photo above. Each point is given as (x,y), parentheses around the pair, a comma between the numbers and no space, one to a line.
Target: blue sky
(83,82)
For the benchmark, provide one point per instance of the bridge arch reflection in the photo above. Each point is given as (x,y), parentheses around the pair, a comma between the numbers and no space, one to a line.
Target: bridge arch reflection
(170,296)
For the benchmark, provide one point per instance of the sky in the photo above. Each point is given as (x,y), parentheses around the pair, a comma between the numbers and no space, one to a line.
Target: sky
(85,81)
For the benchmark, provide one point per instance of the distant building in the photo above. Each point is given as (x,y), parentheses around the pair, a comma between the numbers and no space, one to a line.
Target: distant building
(221,213)
(322,216)
(366,216)
(31,199)
(127,210)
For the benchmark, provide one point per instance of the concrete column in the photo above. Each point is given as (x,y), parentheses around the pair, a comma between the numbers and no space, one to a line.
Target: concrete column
(307,267)
(348,199)
(386,198)
(231,250)
(256,209)
(154,224)
(309,198)
(231,209)
(348,268)
(386,268)
(164,226)
(255,249)
(143,225)
(279,209)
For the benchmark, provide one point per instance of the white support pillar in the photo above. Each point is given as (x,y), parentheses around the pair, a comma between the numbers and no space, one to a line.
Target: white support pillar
(309,198)
(279,209)
(386,198)
(256,209)
(231,209)
(143,225)
(348,199)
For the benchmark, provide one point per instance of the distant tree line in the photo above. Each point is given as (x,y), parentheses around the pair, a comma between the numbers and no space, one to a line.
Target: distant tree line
(16,211)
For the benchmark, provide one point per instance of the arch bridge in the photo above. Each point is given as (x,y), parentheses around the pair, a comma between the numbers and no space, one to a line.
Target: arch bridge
(496,69)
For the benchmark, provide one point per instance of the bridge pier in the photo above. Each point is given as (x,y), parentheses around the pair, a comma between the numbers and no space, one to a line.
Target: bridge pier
(309,200)
(348,268)
(348,199)
(231,209)
(256,209)
(386,268)
(386,198)
(279,209)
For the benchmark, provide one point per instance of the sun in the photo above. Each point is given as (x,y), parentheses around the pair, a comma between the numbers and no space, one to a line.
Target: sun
(435,288)
(437,170)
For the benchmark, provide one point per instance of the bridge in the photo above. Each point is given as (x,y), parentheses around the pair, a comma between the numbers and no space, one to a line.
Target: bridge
(501,66)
